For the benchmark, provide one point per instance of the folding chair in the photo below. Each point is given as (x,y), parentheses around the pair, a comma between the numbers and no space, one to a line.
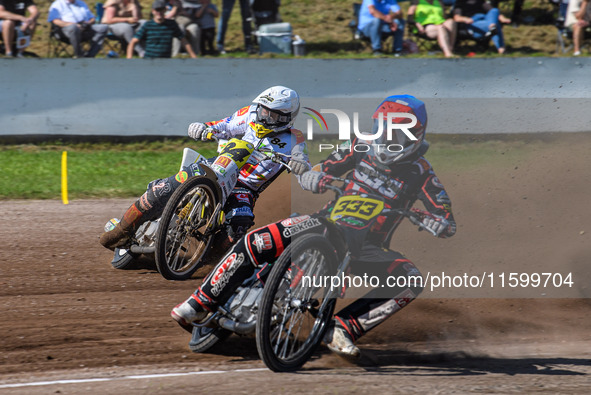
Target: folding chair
(358,38)
(112,42)
(465,33)
(562,32)
(424,43)
(21,42)
(355,21)
(3,45)
(564,39)
(58,44)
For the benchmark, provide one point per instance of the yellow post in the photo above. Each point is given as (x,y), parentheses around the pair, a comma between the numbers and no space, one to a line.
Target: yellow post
(65,177)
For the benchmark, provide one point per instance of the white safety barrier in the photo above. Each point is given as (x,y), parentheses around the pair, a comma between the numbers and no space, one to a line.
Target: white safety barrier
(161,97)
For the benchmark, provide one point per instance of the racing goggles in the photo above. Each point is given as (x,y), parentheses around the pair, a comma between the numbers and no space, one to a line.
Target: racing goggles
(268,117)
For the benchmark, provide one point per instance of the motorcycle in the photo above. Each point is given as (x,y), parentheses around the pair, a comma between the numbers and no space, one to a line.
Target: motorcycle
(193,220)
(287,314)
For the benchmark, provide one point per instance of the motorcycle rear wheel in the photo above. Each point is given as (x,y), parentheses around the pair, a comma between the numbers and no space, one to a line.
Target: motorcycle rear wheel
(183,239)
(294,315)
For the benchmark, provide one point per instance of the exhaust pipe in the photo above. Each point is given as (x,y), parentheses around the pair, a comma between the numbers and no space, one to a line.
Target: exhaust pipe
(237,327)
(142,250)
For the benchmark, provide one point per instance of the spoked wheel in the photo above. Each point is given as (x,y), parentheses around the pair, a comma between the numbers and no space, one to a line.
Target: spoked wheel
(186,229)
(295,311)
(204,338)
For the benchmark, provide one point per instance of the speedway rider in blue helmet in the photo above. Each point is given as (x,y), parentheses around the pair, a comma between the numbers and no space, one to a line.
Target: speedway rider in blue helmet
(393,168)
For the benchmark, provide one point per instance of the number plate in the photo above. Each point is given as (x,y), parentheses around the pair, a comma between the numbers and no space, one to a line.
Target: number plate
(238,151)
(357,207)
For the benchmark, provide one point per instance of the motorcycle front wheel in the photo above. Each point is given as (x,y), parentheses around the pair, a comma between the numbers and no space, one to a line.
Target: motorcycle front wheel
(295,311)
(186,229)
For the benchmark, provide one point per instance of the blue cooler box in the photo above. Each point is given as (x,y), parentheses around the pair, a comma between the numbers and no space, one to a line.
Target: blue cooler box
(275,37)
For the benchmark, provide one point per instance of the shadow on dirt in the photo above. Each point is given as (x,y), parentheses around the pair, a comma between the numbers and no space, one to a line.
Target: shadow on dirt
(243,348)
(417,363)
(463,364)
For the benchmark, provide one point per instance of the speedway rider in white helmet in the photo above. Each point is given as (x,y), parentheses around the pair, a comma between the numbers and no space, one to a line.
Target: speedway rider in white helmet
(269,119)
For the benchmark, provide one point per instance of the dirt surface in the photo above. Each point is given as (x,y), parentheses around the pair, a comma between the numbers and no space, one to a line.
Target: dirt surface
(73,324)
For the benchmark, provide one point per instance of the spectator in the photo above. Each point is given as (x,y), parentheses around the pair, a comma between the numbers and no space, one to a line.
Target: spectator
(379,19)
(172,8)
(578,17)
(483,20)
(12,17)
(265,12)
(76,24)
(516,14)
(206,14)
(227,6)
(186,18)
(426,19)
(158,34)
(124,18)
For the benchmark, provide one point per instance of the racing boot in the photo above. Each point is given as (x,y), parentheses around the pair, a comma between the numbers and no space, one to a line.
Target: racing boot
(188,312)
(339,341)
(119,236)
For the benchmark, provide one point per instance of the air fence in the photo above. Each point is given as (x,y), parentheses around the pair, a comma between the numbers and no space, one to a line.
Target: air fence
(119,97)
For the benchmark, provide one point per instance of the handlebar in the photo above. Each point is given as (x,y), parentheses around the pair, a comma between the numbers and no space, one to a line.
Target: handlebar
(210,134)
(414,215)
(276,157)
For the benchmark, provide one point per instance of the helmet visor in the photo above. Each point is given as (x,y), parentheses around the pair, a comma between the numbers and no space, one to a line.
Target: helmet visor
(268,117)
(398,136)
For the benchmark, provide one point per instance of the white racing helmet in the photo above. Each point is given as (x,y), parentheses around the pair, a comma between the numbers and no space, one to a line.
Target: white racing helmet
(277,108)
(405,146)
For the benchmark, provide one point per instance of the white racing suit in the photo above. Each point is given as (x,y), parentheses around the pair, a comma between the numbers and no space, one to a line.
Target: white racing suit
(255,175)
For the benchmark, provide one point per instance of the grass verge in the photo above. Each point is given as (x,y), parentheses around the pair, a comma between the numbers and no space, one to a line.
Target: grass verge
(106,170)
(98,170)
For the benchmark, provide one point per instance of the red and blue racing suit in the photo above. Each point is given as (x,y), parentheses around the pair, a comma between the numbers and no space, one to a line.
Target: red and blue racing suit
(400,184)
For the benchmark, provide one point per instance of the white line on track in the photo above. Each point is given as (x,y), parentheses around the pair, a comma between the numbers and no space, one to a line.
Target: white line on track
(135,377)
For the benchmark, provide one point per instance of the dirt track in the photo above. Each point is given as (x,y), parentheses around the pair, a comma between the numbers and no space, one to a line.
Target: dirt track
(66,314)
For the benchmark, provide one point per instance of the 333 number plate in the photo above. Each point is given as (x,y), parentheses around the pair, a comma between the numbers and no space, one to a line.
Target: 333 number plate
(356,206)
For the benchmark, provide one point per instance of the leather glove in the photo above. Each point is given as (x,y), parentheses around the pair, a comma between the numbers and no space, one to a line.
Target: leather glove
(198,131)
(298,167)
(435,224)
(298,164)
(315,181)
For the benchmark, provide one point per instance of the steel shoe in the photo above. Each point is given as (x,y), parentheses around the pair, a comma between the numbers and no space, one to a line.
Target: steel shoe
(338,340)
(116,238)
(186,313)
(119,235)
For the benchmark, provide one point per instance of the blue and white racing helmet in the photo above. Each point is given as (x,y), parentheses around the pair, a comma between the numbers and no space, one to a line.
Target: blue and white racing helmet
(407,119)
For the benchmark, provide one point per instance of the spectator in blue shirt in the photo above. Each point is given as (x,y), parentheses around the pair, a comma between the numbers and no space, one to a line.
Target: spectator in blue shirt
(379,19)
(76,23)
